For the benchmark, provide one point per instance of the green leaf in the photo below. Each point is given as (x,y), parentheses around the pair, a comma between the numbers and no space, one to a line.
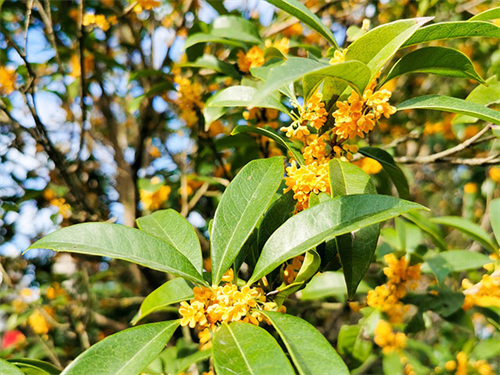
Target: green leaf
(240,208)
(212,114)
(486,349)
(299,10)
(244,349)
(311,353)
(351,343)
(354,73)
(483,95)
(280,211)
(126,352)
(269,132)
(490,14)
(118,241)
(495,218)
(470,229)
(7,369)
(355,250)
(328,284)
(377,46)
(427,226)
(173,291)
(451,30)
(34,366)
(174,229)
(236,28)
(442,61)
(389,165)
(454,105)
(325,221)
(391,363)
(442,301)
(209,38)
(241,96)
(454,261)
(213,63)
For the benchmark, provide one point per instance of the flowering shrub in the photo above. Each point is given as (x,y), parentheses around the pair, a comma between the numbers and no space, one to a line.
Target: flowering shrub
(297,200)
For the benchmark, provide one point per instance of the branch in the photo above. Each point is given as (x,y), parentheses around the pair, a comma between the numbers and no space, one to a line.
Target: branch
(81,46)
(444,155)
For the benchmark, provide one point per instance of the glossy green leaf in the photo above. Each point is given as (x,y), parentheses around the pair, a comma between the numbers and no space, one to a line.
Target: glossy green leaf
(468,228)
(490,14)
(483,95)
(442,301)
(311,353)
(211,114)
(280,211)
(355,250)
(454,105)
(323,222)
(391,363)
(236,28)
(351,343)
(354,73)
(245,349)
(452,30)
(173,291)
(174,229)
(358,76)
(213,63)
(377,46)
(266,131)
(427,226)
(328,284)
(209,38)
(486,349)
(8,369)
(262,73)
(442,61)
(124,353)
(389,165)
(241,96)
(240,208)
(118,241)
(495,218)
(454,261)
(32,366)
(299,10)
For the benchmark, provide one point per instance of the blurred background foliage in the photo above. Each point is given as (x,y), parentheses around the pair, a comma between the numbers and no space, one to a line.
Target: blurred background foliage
(103,117)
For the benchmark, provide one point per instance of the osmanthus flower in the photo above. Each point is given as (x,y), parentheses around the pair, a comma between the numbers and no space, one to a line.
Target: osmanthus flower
(486,293)
(338,56)
(7,80)
(214,305)
(282,44)
(369,165)
(292,269)
(387,339)
(146,4)
(307,179)
(251,59)
(387,297)
(99,20)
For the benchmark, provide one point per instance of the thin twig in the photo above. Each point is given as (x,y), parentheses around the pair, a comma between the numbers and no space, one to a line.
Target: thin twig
(81,46)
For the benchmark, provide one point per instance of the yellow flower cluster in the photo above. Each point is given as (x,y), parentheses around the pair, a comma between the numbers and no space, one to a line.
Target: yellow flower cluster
(314,112)
(387,339)
(7,80)
(486,293)
(189,99)
(146,4)
(282,45)
(291,270)
(252,59)
(153,200)
(64,207)
(338,56)
(358,115)
(307,179)
(38,323)
(369,165)
(461,366)
(99,20)
(223,303)
(494,174)
(401,277)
